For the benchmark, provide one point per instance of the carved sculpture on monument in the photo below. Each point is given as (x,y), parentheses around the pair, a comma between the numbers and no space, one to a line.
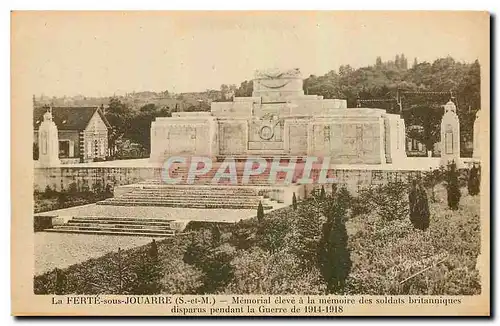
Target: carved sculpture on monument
(450,135)
(48,142)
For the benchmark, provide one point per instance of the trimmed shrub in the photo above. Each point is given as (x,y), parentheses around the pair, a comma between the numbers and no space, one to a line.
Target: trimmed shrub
(419,206)
(260,212)
(322,194)
(334,257)
(432,178)
(294,202)
(474,181)
(452,186)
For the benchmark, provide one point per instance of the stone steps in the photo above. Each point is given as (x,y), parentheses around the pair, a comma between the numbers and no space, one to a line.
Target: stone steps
(136,195)
(116,226)
(153,193)
(259,179)
(176,204)
(158,185)
(119,226)
(118,233)
(105,219)
(99,227)
(208,181)
(185,190)
(168,202)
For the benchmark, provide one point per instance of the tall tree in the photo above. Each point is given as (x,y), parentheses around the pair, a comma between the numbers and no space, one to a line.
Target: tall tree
(452,186)
(419,206)
(140,124)
(260,212)
(397,61)
(474,181)
(245,89)
(334,257)
(118,115)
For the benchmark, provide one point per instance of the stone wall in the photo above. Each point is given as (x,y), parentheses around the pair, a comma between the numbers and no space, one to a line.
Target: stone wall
(86,178)
(183,135)
(61,178)
(354,180)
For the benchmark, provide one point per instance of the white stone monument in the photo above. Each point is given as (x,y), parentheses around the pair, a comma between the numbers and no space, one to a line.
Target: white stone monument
(450,135)
(48,142)
(278,119)
(477,135)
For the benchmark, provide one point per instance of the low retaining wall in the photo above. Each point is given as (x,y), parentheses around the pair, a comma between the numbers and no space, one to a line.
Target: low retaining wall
(90,178)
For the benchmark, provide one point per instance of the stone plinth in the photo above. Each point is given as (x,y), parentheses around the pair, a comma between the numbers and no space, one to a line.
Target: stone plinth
(450,135)
(477,134)
(48,142)
(185,134)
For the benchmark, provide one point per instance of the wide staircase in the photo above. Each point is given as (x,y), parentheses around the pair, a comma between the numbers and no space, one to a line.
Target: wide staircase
(144,227)
(261,179)
(154,193)
(201,194)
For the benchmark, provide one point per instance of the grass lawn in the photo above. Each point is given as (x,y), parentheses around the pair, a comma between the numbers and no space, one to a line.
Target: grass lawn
(384,254)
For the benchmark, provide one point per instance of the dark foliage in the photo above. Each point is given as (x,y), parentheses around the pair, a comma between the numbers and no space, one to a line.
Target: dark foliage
(294,202)
(60,283)
(212,259)
(260,212)
(452,186)
(148,273)
(419,206)
(388,200)
(334,258)
(432,178)
(474,181)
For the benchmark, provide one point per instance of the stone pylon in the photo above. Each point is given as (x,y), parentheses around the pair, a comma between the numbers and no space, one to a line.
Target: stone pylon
(476,141)
(450,135)
(48,142)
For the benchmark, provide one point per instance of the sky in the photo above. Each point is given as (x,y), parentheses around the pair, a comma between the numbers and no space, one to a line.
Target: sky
(106,53)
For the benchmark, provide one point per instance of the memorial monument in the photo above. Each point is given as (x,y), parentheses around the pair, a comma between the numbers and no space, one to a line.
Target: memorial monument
(279,120)
(48,142)
(450,135)
(477,134)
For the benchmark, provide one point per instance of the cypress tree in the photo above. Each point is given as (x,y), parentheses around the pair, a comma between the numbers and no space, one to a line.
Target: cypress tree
(322,194)
(452,186)
(294,202)
(334,258)
(216,235)
(260,212)
(148,276)
(153,251)
(474,182)
(419,206)
(334,189)
(60,283)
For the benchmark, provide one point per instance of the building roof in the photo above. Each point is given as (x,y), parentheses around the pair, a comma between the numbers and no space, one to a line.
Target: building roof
(68,118)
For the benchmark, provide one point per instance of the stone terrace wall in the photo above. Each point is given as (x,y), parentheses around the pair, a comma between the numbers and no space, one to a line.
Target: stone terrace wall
(354,180)
(88,178)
